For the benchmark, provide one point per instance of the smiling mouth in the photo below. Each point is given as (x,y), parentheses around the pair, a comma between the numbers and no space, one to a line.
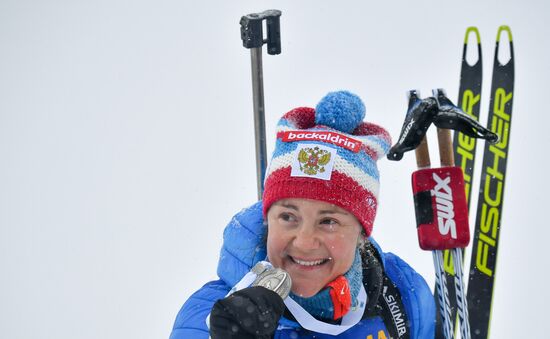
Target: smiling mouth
(311,263)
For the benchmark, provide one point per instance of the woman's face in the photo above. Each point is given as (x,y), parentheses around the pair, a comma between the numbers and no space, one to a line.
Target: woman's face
(313,241)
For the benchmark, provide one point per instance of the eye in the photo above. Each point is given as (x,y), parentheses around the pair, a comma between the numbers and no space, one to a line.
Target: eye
(287,217)
(329,224)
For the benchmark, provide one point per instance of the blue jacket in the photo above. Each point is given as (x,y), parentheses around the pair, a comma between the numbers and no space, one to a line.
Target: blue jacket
(244,245)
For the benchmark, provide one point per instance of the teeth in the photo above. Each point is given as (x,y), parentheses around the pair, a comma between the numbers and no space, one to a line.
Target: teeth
(308,263)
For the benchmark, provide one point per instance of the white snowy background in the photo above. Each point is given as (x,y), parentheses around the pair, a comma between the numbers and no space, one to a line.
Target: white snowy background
(126,144)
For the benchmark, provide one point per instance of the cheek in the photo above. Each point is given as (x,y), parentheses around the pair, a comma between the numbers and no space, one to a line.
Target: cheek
(343,248)
(276,244)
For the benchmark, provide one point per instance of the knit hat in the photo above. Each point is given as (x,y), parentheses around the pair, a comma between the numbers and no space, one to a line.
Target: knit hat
(329,154)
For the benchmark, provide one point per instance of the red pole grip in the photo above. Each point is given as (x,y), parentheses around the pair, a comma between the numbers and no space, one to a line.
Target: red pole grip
(441,208)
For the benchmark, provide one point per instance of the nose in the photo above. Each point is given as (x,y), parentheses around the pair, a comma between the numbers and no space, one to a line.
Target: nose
(306,238)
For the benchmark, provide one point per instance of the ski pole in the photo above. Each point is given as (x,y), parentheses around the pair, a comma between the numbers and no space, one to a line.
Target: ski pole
(443,295)
(423,163)
(253,38)
(439,195)
(446,156)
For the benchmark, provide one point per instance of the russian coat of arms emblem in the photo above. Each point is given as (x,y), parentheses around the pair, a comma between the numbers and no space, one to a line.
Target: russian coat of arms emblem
(313,160)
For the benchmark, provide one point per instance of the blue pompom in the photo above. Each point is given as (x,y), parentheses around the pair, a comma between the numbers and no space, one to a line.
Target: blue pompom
(341,110)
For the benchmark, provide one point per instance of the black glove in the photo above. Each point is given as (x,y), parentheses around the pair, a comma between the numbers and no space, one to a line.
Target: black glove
(252,312)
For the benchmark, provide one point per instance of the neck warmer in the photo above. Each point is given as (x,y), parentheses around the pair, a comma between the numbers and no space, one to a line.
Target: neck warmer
(335,300)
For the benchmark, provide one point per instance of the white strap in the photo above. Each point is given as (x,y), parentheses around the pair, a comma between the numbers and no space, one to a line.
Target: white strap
(310,323)
(245,282)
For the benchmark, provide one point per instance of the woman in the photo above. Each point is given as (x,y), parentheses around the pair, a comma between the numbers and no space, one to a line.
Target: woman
(314,223)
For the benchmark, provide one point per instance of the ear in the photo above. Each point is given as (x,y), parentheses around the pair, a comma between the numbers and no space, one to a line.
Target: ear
(362,240)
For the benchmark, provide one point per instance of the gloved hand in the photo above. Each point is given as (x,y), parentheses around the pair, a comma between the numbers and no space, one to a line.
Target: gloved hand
(252,312)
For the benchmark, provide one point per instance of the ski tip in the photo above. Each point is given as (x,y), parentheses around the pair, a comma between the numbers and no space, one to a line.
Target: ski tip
(504,28)
(472,29)
(471,55)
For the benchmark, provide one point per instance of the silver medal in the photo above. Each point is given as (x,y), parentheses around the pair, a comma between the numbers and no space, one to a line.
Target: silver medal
(272,278)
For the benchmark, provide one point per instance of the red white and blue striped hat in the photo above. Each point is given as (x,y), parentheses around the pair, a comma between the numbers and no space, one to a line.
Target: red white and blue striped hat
(329,154)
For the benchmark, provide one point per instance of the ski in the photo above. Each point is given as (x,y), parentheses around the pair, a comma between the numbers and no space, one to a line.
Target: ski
(491,192)
(469,98)
(464,151)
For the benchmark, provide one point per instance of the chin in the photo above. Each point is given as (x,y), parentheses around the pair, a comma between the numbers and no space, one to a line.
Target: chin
(305,291)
